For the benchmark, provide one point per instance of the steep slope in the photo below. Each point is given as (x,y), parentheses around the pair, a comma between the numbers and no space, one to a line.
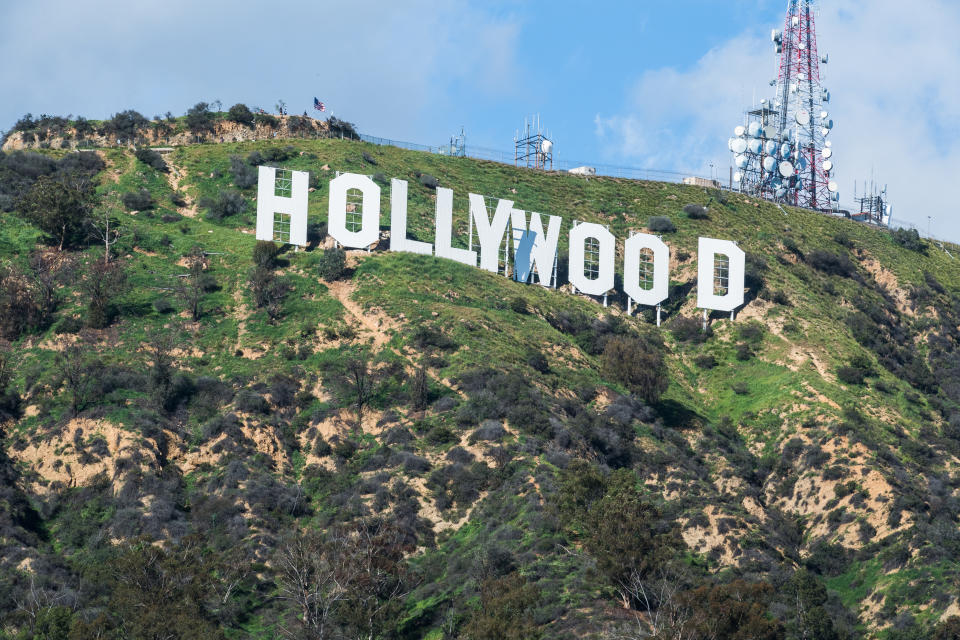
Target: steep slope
(818,430)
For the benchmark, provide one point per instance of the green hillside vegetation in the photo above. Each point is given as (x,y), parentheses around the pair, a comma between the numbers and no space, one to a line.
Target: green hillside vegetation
(222,438)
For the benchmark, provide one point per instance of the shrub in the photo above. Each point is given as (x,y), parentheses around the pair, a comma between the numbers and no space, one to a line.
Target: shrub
(687,329)
(369,159)
(850,375)
(744,352)
(661,224)
(488,431)
(740,388)
(332,264)
(265,254)
(228,203)
(908,239)
(342,129)
(538,362)
(428,181)
(162,305)
(125,125)
(705,361)
(831,263)
(637,364)
(244,176)
(137,200)
(696,212)
(151,158)
(255,158)
(240,114)
(518,304)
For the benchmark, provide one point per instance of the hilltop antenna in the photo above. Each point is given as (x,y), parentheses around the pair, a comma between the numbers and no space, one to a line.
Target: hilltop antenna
(533,148)
(781,152)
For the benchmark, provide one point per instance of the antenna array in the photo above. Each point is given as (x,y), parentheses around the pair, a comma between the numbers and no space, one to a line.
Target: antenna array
(533,147)
(781,151)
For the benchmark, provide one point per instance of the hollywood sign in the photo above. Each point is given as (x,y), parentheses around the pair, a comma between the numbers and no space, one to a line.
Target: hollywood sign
(282,214)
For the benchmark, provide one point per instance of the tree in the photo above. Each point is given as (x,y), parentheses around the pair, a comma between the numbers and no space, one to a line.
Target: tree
(506,605)
(269,291)
(160,351)
(125,125)
(350,583)
(199,118)
(106,230)
(103,283)
(358,383)
(626,536)
(194,285)
(421,388)
(9,398)
(60,206)
(732,611)
(160,594)
(241,114)
(638,365)
(949,629)
(77,372)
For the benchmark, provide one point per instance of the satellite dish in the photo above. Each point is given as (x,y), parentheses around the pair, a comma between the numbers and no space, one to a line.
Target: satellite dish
(836,197)
(828,143)
(803,117)
(775,36)
(740,161)
(785,150)
(770,131)
(739,145)
(825,58)
(824,131)
(828,165)
(786,135)
(730,143)
(769,163)
(754,145)
(786,169)
(793,87)
(796,20)
(825,95)
(827,153)
(754,129)
(801,163)
(833,186)
(546,146)
(824,115)
(828,124)
(737,176)
(770,146)
(739,131)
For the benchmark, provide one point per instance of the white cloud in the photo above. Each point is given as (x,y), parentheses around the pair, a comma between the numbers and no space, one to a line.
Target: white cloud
(895,99)
(372,61)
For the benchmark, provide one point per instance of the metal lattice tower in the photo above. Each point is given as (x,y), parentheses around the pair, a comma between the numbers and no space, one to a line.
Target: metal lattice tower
(782,152)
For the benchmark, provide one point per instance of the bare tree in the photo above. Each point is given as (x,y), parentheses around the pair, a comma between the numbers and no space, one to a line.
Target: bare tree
(105,230)
(357,383)
(312,580)
(103,283)
(662,613)
(77,373)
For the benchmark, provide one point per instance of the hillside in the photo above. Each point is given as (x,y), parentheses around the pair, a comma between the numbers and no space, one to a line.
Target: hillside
(184,441)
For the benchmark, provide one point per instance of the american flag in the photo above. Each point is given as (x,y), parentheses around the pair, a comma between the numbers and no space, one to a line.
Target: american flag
(319,106)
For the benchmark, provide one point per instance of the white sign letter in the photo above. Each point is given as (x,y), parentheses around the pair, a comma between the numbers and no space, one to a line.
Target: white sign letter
(632,251)
(369,231)
(532,249)
(398,222)
(708,276)
(444,231)
(291,206)
(490,232)
(606,256)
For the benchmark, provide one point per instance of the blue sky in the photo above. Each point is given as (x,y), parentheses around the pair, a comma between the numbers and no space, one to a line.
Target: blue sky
(649,83)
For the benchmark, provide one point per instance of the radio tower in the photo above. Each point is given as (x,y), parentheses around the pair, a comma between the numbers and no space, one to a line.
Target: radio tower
(782,152)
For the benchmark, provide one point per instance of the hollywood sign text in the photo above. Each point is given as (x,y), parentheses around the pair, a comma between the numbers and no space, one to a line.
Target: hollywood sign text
(534,245)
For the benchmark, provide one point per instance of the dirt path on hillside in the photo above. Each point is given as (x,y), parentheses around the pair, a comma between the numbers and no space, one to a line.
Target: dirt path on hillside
(375,325)
(174,176)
